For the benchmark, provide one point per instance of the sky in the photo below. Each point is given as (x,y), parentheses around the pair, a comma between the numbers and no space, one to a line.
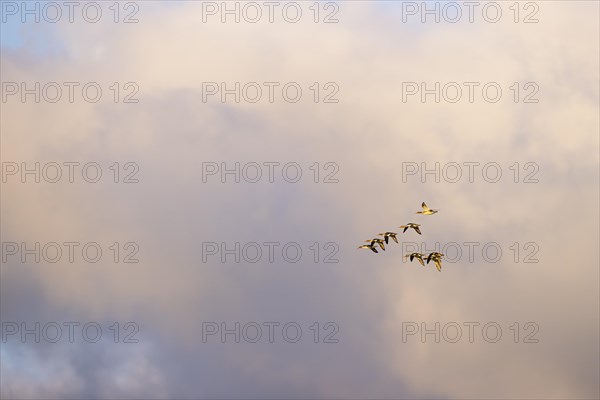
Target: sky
(196,259)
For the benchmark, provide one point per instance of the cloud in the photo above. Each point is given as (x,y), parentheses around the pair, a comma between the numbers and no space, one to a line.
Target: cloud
(368,134)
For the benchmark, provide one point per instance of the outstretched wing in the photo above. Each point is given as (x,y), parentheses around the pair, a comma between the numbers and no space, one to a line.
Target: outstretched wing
(417,229)
(425,208)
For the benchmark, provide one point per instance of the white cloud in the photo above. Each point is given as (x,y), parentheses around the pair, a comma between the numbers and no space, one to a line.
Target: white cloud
(369,134)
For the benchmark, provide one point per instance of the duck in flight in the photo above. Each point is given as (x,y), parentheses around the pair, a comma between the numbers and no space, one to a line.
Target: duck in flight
(418,256)
(411,225)
(376,241)
(437,259)
(388,235)
(426,210)
(368,246)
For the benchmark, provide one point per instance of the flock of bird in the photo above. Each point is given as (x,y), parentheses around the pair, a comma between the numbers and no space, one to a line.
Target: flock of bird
(378,242)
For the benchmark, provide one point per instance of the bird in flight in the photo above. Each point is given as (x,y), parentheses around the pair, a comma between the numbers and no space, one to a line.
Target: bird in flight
(373,244)
(376,241)
(388,235)
(368,246)
(418,256)
(411,225)
(426,210)
(437,259)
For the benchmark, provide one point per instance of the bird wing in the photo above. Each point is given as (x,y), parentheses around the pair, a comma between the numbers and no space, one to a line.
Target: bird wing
(424,206)
(417,229)
(438,265)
